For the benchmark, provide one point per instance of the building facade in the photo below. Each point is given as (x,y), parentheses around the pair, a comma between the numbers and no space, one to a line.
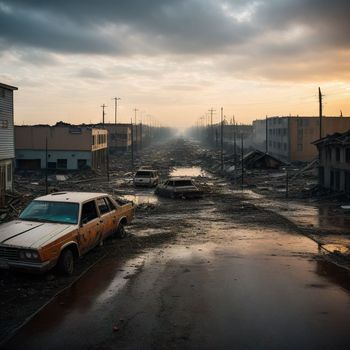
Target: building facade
(291,138)
(7,144)
(63,147)
(259,135)
(334,156)
(119,136)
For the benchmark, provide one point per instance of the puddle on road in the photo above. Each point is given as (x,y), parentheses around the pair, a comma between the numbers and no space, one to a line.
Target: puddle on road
(141,198)
(322,216)
(336,248)
(189,171)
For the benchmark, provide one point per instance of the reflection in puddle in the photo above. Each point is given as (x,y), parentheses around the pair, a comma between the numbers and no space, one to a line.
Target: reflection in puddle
(141,198)
(336,248)
(189,171)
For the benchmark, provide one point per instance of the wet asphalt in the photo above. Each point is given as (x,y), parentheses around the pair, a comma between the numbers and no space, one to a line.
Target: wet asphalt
(219,285)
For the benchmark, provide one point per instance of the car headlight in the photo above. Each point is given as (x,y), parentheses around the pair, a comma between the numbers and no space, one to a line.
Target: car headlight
(28,255)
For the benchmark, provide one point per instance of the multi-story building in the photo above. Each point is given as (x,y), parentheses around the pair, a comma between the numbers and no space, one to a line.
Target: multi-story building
(334,156)
(119,136)
(7,145)
(259,135)
(62,146)
(290,138)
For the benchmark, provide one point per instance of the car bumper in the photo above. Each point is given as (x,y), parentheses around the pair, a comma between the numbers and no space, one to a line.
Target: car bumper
(146,183)
(35,267)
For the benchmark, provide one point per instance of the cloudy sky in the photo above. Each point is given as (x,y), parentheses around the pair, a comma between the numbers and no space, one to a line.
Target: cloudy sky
(174,59)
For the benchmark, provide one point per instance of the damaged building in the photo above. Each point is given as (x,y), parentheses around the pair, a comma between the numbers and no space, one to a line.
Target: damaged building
(291,138)
(63,147)
(334,156)
(7,148)
(119,136)
(260,160)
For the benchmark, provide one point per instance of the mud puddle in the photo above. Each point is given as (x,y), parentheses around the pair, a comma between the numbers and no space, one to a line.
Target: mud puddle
(190,172)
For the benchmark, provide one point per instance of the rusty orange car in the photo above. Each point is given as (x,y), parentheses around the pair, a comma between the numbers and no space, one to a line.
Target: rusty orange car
(58,228)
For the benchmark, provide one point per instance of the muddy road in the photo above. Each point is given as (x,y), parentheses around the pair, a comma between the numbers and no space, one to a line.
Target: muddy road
(217,273)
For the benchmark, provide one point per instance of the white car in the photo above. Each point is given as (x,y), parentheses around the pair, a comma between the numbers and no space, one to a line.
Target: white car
(179,187)
(146,177)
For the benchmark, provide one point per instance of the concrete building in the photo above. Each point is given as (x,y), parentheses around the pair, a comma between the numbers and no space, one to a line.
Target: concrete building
(7,145)
(119,136)
(69,147)
(259,135)
(290,138)
(334,155)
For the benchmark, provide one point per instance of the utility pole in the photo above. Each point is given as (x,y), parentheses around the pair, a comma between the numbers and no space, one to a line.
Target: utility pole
(46,181)
(234,141)
(116,108)
(320,107)
(132,145)
(141,141)
(211,110)
(103,114)
(242,163)
(107,167)
(266,137)
(135,147)
(222,140)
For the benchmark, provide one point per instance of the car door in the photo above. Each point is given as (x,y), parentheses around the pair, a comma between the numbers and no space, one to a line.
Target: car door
(91,229)
(107,218)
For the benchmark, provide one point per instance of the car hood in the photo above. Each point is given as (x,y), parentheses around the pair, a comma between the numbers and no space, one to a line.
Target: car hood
(30,234)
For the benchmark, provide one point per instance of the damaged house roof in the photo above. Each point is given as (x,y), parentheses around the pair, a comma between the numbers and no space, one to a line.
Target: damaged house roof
(261,160)
(336,139)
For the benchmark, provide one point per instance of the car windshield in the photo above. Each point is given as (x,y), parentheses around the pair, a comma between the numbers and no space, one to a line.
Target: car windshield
(47,211)
(181,183)
(144,174)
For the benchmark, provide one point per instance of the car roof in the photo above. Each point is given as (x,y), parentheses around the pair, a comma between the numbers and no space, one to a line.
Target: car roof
(73,197)
(176,178)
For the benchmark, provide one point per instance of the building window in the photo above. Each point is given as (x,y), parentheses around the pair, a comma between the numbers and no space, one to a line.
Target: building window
(347,155)
(332,179)
(337,154)
(2,93)
(9,172)
(82,163)
(62,163)
(337,180)
(284,146)
(4,124)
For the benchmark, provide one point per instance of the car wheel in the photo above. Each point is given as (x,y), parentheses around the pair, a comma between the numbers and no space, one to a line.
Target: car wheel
(66,262)
(121,232)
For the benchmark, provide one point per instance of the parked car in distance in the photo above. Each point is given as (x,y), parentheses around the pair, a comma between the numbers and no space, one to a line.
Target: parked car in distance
(178,187)
(146,177)
(58,228)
